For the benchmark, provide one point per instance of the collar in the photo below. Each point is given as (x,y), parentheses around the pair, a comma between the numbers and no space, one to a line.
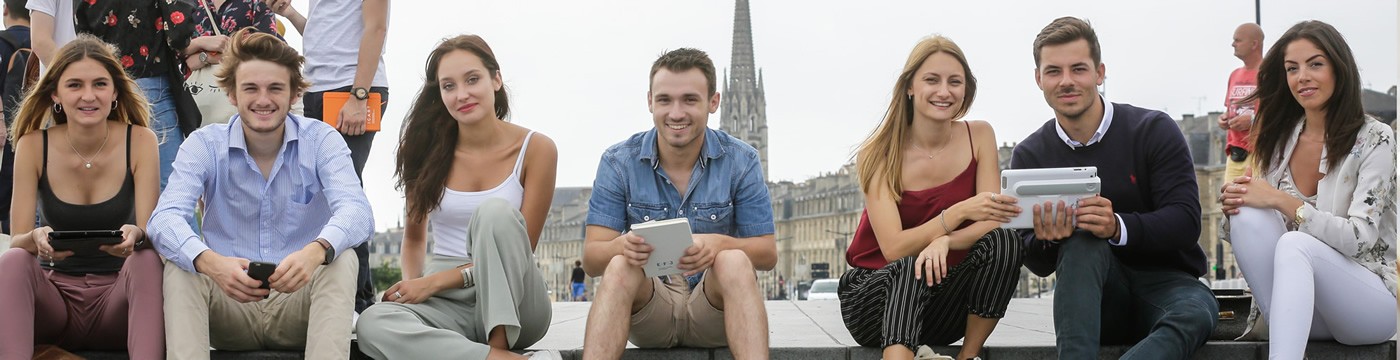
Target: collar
(1098,134)
(290,132)
(710,150)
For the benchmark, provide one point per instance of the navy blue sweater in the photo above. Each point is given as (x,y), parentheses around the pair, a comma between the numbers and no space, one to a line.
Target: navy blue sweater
(1146,172)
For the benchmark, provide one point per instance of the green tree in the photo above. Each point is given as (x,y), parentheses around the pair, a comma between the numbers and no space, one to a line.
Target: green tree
(385,276)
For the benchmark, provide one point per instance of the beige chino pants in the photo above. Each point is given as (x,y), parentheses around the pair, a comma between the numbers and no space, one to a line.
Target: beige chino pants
(316,318)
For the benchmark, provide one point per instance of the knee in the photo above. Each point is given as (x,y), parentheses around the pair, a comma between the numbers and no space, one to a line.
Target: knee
(1252,218)
(1007,249)
(145,262)
(16,260)
(621,274)
(1198,314)
(734,267)
(1083,248)
(1294,247)
(496,210)
(372,327)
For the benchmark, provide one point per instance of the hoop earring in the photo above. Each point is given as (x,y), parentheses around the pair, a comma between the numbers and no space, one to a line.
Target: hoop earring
(57,108)
(114,104)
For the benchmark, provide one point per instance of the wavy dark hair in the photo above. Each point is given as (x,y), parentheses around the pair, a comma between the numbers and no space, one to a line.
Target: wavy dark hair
(426,146)
(1279,113)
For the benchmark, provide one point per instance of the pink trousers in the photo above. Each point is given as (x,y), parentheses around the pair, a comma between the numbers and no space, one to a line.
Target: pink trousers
(81,312)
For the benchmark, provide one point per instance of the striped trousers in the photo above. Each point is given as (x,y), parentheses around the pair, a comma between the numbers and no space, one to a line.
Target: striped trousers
(888,306)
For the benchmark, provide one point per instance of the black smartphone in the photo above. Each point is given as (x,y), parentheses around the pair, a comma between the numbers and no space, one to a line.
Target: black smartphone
(84,241)
(261,271)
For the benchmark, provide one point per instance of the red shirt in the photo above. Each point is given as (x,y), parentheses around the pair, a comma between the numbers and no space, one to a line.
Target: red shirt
(915,208)
(1242,84)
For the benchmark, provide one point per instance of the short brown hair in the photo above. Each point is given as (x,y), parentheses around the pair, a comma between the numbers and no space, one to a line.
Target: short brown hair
(246,45)
(1066,30)
(683,59)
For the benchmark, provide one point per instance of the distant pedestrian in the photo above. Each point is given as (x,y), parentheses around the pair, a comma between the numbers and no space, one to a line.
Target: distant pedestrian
(1248,43)
(576,281)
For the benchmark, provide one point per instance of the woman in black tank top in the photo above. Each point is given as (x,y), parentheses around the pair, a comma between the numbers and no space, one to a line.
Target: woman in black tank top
(95,168)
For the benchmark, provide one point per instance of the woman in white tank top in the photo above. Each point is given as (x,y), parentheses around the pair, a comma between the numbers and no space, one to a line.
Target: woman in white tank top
(484,185)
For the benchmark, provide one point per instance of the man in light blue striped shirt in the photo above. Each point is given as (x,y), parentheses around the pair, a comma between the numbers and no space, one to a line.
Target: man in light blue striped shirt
(277,188)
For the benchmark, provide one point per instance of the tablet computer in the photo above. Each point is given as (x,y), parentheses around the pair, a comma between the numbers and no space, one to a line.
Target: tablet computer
(668,239)
(1038,186)
(83,241)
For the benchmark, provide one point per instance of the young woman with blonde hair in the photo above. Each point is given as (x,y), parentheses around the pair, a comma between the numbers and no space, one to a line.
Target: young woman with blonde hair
(931,264)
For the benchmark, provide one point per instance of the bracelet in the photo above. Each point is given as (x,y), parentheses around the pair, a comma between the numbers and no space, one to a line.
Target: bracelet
(944,220)
(468,279)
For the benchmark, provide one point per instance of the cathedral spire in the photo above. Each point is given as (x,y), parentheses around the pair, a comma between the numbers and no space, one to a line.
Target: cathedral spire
(743,113)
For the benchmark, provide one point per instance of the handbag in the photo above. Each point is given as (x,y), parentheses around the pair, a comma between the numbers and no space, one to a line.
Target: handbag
(1235,314)
(203,86)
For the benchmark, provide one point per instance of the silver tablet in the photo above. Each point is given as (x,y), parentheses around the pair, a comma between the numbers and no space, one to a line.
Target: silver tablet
(1038,186)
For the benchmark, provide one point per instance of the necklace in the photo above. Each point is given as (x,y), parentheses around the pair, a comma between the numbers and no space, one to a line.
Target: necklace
(87,163)
(930,154)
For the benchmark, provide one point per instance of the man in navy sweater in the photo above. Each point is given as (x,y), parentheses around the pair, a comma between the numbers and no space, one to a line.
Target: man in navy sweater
(1127,259)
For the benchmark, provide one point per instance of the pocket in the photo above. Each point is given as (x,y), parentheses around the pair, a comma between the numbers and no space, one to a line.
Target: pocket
(712,218)
(638,213)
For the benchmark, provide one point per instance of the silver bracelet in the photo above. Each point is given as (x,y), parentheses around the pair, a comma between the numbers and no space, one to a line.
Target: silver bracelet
(944,220)
(468,279)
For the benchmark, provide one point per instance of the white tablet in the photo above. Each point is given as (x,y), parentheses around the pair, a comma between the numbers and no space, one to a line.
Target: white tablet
(1038,186)
(668,239)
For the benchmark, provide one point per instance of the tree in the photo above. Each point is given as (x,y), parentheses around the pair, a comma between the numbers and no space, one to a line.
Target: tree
(385,276)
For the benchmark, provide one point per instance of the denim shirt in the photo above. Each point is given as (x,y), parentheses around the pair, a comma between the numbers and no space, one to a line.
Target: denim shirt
(726,193)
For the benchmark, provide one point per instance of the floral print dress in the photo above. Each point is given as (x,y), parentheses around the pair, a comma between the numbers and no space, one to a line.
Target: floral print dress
(149,34)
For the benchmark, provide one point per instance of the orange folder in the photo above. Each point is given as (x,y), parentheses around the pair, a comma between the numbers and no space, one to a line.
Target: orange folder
(334,100)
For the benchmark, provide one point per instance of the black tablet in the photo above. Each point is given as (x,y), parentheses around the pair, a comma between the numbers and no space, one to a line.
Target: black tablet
(85,241)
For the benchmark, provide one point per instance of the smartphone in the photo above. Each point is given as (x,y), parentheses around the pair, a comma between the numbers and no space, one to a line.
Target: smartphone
(84,241)
(261,271)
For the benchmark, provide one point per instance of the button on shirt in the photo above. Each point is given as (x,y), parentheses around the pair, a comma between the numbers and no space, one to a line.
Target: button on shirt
(726,192)
(312,192)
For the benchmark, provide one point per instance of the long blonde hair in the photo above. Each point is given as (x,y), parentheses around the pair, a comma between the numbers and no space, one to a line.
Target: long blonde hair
(882,151)
(36,111)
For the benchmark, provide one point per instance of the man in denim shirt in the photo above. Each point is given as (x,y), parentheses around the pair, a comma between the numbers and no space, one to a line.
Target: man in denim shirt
(681,168)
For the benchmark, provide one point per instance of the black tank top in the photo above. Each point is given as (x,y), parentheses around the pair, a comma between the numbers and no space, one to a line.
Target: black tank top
(107,215)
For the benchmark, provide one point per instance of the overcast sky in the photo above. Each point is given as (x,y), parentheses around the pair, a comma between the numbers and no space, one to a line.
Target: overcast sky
(577,70)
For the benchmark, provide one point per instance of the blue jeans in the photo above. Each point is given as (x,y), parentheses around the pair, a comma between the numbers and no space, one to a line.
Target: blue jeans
(1166,312)
(163,122)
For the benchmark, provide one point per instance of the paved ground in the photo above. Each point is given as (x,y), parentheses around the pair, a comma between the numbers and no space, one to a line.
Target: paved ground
(809,330)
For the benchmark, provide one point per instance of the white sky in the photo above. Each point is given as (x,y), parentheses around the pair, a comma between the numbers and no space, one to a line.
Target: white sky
(577,70)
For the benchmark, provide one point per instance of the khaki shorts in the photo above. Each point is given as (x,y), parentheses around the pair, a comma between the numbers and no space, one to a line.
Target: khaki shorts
(677,316)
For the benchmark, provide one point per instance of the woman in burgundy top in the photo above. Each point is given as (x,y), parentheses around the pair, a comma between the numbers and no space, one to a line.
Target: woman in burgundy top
(930,264)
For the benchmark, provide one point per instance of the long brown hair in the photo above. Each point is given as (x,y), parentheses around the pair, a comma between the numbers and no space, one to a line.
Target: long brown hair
(1279,113)
(882,151)
(429,131)
(37,109)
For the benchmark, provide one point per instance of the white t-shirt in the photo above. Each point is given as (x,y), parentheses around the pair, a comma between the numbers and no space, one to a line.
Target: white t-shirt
(332,45)
(62,13)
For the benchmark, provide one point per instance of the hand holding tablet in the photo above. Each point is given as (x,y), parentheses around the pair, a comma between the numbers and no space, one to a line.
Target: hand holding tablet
(1053,192)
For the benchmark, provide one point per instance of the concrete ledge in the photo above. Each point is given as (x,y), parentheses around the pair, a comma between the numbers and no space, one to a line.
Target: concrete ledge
(1212,350)
(811,330)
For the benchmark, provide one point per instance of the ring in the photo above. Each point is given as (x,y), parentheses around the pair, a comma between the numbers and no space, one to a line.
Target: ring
(397,295)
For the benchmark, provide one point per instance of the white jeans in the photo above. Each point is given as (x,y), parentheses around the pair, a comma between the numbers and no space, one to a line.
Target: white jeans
(1307,289)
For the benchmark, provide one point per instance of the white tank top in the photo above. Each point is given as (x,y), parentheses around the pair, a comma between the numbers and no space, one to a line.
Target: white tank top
(450,221)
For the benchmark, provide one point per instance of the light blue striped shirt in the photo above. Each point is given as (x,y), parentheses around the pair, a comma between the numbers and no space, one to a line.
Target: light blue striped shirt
(312,193)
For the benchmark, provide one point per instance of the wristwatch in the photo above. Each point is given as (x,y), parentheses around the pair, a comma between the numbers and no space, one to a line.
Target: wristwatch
(204,58)
(1298,216)
(360,93)
(330,251)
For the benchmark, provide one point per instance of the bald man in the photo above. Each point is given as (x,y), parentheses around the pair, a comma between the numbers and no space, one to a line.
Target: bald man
(1238,117)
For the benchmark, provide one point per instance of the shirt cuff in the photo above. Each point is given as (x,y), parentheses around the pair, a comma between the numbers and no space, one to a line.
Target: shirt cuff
(1122,233)
(337,238)
(189,251)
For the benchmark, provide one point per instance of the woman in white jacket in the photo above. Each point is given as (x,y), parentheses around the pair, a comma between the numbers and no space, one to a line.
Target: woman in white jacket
(1315,232)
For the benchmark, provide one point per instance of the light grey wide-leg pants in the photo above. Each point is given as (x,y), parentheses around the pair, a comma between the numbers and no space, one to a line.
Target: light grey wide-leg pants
(454,324)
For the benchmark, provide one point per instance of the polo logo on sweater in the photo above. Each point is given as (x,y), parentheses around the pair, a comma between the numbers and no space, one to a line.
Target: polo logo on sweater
(1133,178)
